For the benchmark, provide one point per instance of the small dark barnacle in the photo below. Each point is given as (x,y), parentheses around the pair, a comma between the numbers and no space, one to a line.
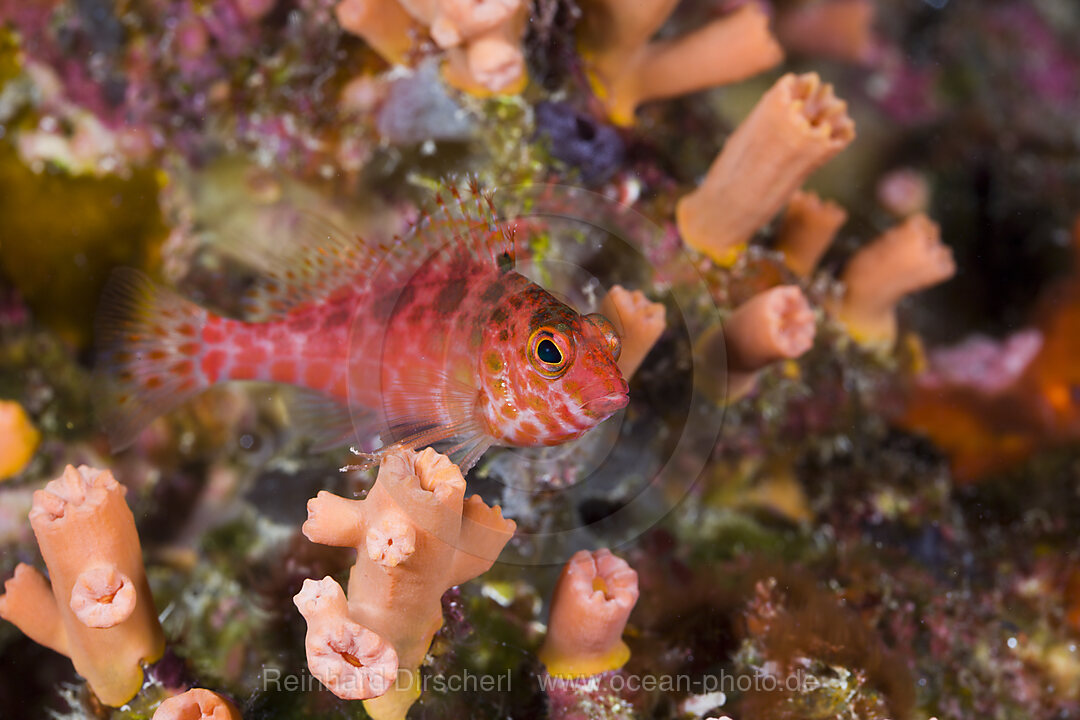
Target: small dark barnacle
(595,149)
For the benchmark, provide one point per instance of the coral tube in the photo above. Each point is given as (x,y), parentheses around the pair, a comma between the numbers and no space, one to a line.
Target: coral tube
(905,259)
(18,439)
(837,29)
(482,39)
(640,324)
(627,70)
(777,324)
(807,230)
(352,661)
(98,610)
(383,24)
(454,21)
(416,536)
(592,602)
(197,704)
(491,61)
(796,127)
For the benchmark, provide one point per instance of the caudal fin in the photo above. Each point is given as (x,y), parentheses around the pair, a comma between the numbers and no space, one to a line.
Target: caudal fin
(149,343)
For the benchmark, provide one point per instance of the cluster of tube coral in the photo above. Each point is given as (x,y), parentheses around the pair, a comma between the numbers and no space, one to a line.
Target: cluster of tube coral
(481,40)
(96,606)
(415,535)
(795,128)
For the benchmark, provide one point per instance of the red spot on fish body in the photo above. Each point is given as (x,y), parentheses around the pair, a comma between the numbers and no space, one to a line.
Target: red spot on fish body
(213,363)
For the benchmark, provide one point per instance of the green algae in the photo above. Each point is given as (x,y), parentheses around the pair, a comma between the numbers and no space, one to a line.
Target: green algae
(62,235)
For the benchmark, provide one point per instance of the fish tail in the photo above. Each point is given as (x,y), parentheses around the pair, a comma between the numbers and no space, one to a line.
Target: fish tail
(149,343)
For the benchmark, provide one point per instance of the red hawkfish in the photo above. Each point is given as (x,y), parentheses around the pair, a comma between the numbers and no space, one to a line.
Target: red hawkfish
(442,343)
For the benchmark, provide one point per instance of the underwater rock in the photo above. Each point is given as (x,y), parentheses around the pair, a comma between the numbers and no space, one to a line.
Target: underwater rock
(417,109)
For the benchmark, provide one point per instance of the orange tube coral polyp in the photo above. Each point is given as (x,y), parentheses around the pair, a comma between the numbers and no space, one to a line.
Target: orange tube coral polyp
(491,62)
(796,127)
(353,662)
(416,536)
(454,21)
(808,228)
(98,610)
(905,259)
(592,602)
(777,324)
(383,24)
(640,324)
(18,439)
(838,29)
(627,71)
(197,704)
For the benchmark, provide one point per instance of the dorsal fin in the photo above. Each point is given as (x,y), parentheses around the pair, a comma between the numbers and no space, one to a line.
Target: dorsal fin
(466,214)
(319,258)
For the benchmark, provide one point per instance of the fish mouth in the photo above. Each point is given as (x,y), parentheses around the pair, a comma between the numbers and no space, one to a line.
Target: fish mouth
(605,405)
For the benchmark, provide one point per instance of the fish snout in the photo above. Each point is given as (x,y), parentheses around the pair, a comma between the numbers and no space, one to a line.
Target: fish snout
(605,405)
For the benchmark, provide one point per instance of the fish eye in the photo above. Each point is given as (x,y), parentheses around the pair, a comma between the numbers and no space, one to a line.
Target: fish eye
(549,353)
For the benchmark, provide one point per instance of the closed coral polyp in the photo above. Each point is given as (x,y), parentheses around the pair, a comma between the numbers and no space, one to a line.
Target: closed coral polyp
(457,20)
(904,259)
(640,323)
(391,540)
(807,230)
(592,602)
(197,704)
(796,127)
(491,61)
(18,439)
(777,324)
(383,24)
